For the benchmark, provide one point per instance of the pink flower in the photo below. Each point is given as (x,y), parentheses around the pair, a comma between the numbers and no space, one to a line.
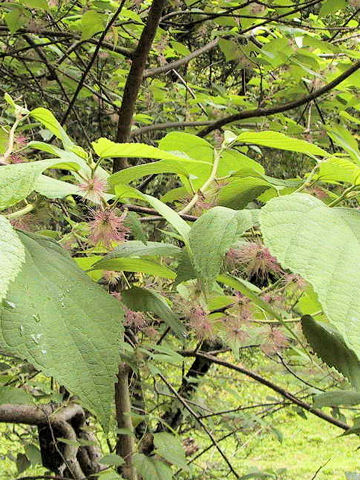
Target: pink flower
(111,277)
(21,140)
(117,295)
(295,280)
(277,301)
(93,188)
(200,323)
(134,319)
(255,259)
(15,158)
(235,328)
(106,228)
(274,340)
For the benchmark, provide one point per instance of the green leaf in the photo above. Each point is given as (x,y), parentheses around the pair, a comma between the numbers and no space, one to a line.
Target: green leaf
(282,142)
(134,265)
(48,120)
(12,255)
(112,459)
(134,248)
(251,292)
(123,191)
(105,148)
(36,4)
(346,398)
(91,23)
(342,137)
(52,188)
(331,6)
(187,146)
(15,19)
(329,345)
(212,235)
(150,468)
(170,448)
(15,396)
(238,193)
(64,324)
(19,180)
(336,169)
(183,167)
(145,300)
(320,244)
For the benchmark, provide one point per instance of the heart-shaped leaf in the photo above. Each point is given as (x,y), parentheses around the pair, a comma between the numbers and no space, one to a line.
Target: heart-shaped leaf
(12,255)
(64,324)
(321,244)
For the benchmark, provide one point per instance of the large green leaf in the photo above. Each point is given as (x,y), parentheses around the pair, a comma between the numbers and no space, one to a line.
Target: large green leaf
(239,192)
(212,235)
(145,300)
(134,265)
(337,169)
(184,168)
(337,398)
(343,137)
(282,142)
(19,180)
(135,248)
(48,120)
(124,191)
(170,448)
(187,145)
(12,255)
(322,245)
(329,345)
(151,469)
(14,395)
(107,149)
(64,324)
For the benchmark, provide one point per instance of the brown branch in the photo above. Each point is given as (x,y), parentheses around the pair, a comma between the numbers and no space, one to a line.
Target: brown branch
(126,52)
(266,112)
(54,422)
(135,76)
(182,61)
(276,388)
(201,423)
(125,445)
(164,126)
(91,62)
(151,211)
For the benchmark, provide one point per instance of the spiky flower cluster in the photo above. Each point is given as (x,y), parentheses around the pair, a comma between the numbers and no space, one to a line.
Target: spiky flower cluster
(255,259)
(200,322)
(93,188)
(135,320)
(107,228)
(274,341)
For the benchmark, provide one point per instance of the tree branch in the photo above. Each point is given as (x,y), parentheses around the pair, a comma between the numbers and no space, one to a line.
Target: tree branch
(276,388)
(134,79)
(266,112)
(182,61)
(91,63)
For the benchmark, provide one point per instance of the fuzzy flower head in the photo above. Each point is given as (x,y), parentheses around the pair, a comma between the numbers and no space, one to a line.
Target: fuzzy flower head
(93,188)
(107,228)
(255,259)
(235,328)
(135,320)
(200,322)
(295,280)
(274,341)
(111,277)
(21,140)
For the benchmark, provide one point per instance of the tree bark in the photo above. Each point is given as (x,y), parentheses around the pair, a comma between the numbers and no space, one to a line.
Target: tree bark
(135,77)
